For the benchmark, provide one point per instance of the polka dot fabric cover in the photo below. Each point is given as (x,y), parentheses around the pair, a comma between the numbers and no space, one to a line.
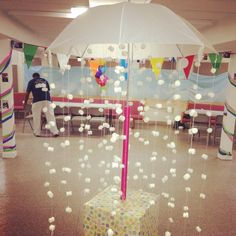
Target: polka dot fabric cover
(135,216)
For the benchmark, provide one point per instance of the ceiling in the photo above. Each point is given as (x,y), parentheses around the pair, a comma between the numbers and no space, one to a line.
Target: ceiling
(46,19)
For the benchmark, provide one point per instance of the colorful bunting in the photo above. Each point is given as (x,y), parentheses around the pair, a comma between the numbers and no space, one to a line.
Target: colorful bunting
(156,65)
(29,51)
(94,64)
(5,62)
(189,66)
(124,64)
(215,60)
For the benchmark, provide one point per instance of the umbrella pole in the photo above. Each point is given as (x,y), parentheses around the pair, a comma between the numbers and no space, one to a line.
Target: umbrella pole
(126,125)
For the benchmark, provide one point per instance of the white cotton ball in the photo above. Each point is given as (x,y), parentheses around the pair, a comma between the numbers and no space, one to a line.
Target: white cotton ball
(173,171)
(169,109)
(195,86)
(52,227)
(81,147)
(46,184)
(193,113)
(198,96)
(185,215)
(50,194)
(81,112)
(122,118)
(110,232)
(213,70)
(159,105)
(135,177)
(109,148)
(160,81)
(176,96)
(171,220)
(46,145)
(209,130)
(190,170)
(192,151)
(119,110)
(45,109)
(194,130)
(165,195)
(69,193)
(112,129)
(62,130)
(198,229)
(136,134)
(117,83)
(63,145)
(164,179)
(107,172)
(185,208)
(51,219)
(178,118)
(138,164)
(152,185)
(67,118)
(81,129)
(208,113)
(187,189)
(187,176)
(202,195)
(52,86)
(177,83)
(165,137)
(171,205)
(141,170)
(167,233)
(211,94)
(145,177)
(203,176)
(87,127)
(47,126)
(117,89)
(70,96)
(86,191)
(155,133)
(146,108)
(153,175)
(67,142)
(146,119)
(204,156)
(146,142)
(52,171)
(123,93)
(53,105)
(116,179)
(164,159)
(68,209)
(152,202)
(64,182)
(113,213)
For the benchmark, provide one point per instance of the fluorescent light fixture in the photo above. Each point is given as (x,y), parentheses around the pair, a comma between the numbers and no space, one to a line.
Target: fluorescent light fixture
(76,11)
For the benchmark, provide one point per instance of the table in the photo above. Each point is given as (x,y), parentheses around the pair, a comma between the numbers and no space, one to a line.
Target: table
(108,106)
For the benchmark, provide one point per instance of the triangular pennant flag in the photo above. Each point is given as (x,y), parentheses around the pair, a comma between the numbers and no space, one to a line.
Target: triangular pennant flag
(156,65)
(29,52)
(94,64)
(62,60)
(188,67)
(215,60)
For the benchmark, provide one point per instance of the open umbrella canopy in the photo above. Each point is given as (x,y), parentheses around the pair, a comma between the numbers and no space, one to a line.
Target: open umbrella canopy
(152,29)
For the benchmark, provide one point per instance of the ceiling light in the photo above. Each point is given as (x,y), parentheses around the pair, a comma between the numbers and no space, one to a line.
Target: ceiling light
(76,11)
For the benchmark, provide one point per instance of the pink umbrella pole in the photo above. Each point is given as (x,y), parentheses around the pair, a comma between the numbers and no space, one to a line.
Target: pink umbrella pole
(125,153)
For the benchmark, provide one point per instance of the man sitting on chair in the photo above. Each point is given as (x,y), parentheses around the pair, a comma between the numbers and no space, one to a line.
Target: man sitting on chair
(41,102)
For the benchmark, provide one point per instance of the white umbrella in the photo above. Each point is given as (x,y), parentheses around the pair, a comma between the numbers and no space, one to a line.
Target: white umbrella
(132,31)
(152,29)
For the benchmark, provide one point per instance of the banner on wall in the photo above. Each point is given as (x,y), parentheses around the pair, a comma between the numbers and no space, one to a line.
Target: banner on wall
(29,52)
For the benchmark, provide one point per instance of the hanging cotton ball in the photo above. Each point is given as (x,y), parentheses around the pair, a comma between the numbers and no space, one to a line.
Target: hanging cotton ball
(165,137)
(198,96)
(81,129)
(64,182)
(63,145)
(211,94)
(198,229)
(67,142)
(86,191)
(155,133)
(67,118)
(193,113)
(173,171)
(52,227)
(112,129)
(177,83)
(45,109)
(70,96)
(204,156)
(68,209)
(121,78)
(152,185)
(116,179)
(117,89)
(208,113)
(113,213)
(209,130)
(195,86)
(185,208)
(52,171)
(136,134)
(171,220)
(172,145)
(169,109)
(178,118)
(164,159)
(123,93)
(122,118)
(176,97)
(187,176)
(115,202)
(47,163)
(145,177)
(68,67)
(46,184)
(164,179)
(167,233)
(117,83)
(171,205)
(135,177)
(176,132)
(51,219)
(213,70)
(190,170)
(46,145)
(141,170)
(146,142)
(158,105)
(109,148)
(107,172)
(153,175)
(81,147)
(197,63)
(137,164)
(110,232)
(62,130)
(47,126)
(53,105)
(193,130)
(202,195)
(160,81)
(69,193)
(152,159)
(187,189)
(50,194)
(119,110)
(165,195)
(185,215)
(203,176)
(192,151)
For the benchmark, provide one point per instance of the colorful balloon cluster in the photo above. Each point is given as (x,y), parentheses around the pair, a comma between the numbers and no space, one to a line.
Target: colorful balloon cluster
(100,76)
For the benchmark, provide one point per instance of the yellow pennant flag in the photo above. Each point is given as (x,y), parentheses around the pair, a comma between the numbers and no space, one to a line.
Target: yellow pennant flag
(94,64)
(156,65)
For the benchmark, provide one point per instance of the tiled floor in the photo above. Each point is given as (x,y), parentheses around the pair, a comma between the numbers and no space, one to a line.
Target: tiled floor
(25,206)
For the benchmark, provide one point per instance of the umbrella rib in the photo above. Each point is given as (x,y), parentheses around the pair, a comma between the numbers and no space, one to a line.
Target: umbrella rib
(179,50)
(121,20)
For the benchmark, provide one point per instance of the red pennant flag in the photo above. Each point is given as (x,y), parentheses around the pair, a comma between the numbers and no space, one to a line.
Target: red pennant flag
(188,67)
